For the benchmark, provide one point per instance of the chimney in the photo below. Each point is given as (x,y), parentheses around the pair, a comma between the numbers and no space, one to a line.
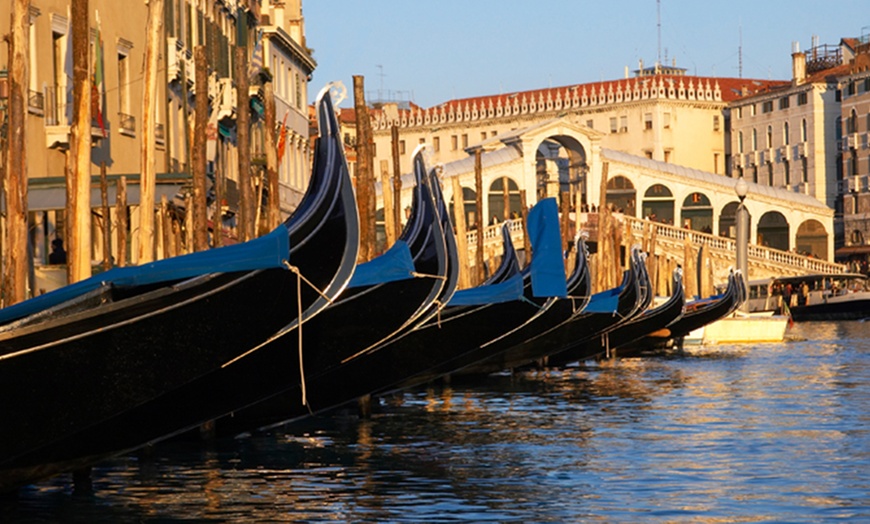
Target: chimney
(798,64)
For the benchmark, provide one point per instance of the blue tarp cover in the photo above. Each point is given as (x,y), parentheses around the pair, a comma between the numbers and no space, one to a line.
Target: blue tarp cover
(395,264)
(604,302)
(548,265)
(510,289)
(269,251)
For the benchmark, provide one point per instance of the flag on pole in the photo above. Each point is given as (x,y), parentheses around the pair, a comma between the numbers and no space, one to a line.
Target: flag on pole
(282,138)
(97,84)
(255,66)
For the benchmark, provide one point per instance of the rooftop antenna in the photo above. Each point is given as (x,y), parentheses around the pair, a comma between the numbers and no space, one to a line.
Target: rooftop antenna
(381,87)
(659,29)
(740,52)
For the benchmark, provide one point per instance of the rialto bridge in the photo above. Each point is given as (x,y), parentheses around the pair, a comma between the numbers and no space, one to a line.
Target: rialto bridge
(560,158)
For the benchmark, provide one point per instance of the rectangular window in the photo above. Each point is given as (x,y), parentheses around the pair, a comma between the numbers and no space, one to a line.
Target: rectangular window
(454,144)
(436,143)
(482,136)
(666,120)
(422,141)
(802,99)
(715,122)
(623,124)
(867,84)
(464,141)
(767,107)
(124,83)
(493,133)
(401,147)
(785,172)
(589,124)
(739,113)
(647,121)
(613,127)
(751,109)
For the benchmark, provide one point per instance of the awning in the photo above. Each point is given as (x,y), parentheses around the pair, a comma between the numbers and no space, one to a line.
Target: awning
(51,198)
(852,250)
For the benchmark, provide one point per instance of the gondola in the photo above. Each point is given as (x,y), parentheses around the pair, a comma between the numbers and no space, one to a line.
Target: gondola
(604,312)
(371,311)
(699,313)
(70,371)
(471,318)
(502,353)
(652,322)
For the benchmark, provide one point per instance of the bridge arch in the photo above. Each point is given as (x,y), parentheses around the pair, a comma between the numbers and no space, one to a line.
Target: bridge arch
(697,213)
(561,166)
(622,194)
(773,231)
(812,239)
(658,204)
(497,196)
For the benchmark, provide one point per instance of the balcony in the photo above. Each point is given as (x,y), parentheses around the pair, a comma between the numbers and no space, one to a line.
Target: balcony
(127,124)
(36,103)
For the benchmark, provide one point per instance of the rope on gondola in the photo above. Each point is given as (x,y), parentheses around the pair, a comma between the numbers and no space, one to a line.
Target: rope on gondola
(296,324)
(427,275)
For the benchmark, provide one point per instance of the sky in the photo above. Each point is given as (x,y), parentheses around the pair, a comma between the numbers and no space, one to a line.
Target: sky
(432,51)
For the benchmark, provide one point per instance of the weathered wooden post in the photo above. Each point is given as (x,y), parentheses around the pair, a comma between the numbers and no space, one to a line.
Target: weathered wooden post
(397,182)
(390,229)
(121,210)
(461,234)
(147,180)
(689,268)
(364,172)
(478,211)
(78,201)
(243,140)
(565,219)
(524,215)
(107,218)
(273,211)
(199,160)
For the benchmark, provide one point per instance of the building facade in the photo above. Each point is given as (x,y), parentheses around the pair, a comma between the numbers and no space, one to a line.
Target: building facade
(660,113)
(273,36)
(854,142)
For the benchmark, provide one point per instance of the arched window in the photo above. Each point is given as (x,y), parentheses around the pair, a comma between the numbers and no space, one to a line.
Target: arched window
(740,141)
(785,134)
(804,130)
(754,140)
(769,138)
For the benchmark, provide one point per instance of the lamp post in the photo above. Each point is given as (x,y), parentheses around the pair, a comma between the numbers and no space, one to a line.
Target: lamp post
(742,236)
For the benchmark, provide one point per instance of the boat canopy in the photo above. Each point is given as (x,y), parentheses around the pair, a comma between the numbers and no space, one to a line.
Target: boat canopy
(268,251)
(510,289)
(604,302)
(396,264)
(548,264)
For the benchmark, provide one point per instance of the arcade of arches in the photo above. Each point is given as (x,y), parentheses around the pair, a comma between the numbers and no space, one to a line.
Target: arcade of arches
(697,213)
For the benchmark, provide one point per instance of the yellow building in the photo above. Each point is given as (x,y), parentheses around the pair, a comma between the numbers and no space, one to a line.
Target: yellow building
(274,38)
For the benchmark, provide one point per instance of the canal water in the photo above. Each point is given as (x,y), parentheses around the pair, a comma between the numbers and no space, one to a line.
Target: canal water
(773,432)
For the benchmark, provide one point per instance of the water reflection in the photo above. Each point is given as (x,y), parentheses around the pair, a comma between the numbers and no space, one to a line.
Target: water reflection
(770,432)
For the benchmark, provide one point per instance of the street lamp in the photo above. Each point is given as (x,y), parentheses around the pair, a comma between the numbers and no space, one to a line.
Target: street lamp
(742,240)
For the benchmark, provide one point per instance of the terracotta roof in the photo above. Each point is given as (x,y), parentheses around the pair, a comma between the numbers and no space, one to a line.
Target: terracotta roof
(731,88)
